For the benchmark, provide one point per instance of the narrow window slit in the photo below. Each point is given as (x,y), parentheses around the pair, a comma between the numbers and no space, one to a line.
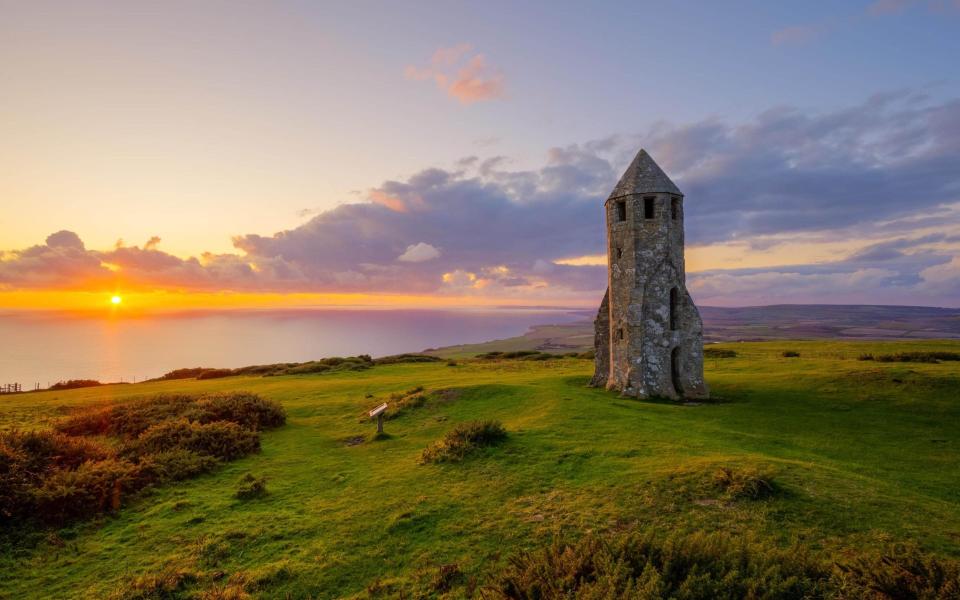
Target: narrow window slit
(621,210)
(648,207)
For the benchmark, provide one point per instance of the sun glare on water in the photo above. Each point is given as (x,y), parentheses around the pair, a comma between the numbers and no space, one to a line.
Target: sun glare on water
(116,300)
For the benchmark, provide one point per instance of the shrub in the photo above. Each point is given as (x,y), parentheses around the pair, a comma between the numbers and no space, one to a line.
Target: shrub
(406,358)
(72,384)
(921,357)
(215,373)
(222,439)
(744,484)
(719,353)
(902,571)
(175,465)
(463,440)
(243,408)
(451,363)
(697,566)
(128,419)
(56,476)
(251,487)
(91,488)
(189,373)
(790,354)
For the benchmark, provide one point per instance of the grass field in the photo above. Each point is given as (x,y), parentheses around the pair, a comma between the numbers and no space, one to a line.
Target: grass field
(863,453)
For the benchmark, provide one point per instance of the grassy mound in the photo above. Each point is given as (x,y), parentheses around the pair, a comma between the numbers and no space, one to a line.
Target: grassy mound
(463,440)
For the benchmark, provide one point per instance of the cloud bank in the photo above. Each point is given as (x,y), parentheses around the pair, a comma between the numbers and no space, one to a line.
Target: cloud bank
(883,177)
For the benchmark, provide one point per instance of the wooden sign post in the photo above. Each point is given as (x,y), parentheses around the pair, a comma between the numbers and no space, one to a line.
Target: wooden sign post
(378,413)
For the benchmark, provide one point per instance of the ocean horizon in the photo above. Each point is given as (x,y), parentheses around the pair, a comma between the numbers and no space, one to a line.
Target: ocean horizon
(41,348)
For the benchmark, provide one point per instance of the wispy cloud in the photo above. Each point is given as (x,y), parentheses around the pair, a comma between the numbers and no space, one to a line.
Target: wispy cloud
(461,73)
(795,35)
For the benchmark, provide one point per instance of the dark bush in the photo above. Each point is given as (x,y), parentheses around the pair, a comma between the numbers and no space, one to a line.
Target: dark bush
(243,408)
(251,487)
(56,476)
(790,354)
(865,357)
(175,465)
(719,353)
(406,358)
(693,567)
(215,374)
(222,439)
(920,357)
(73,384)
(902,571)
(463,440)
(189,373)
(128,419)
(91,488)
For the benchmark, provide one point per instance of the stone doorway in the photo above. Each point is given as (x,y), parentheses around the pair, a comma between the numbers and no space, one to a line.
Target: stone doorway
(675,372)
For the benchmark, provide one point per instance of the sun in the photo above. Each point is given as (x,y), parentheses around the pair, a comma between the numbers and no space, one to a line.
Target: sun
(116,300)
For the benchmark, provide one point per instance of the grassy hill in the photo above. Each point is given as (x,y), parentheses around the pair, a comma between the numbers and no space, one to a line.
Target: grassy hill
(861,453)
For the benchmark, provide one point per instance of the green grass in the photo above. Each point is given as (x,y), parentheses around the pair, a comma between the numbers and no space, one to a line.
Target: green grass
(860,452)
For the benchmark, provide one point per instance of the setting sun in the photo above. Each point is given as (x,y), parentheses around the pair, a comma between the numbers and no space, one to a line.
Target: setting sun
(116,300)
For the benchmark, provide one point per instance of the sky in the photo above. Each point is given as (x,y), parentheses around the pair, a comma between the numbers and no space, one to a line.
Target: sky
(218,154)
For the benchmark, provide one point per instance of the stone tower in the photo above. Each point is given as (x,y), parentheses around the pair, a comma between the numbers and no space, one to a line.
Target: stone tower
(648,332)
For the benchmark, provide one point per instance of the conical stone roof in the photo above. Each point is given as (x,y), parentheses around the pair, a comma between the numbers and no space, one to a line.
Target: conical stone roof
(644,176)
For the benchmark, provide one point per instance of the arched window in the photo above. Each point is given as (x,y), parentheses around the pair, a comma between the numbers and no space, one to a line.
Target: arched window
(674,293)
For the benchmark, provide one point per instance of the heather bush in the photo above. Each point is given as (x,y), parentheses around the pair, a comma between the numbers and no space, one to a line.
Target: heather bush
(128,419)
(463,440)
(175,465)
(901,571)
(921,357)
(215,373)
(406,358)
(251,487)
(59,475)
(72,384)
(694,567)
(243,408)
(221,439)
(91,488)
(719,353)
(790,354)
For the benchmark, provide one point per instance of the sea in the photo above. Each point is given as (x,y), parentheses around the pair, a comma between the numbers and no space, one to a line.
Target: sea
(41,348)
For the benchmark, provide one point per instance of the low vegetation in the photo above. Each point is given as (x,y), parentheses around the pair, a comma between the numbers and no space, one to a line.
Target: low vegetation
(707,566)
(920,357)
(333,364)
(710,352)
(72,384)
(251,487)
(790,354)
(95,460)
(464,440)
